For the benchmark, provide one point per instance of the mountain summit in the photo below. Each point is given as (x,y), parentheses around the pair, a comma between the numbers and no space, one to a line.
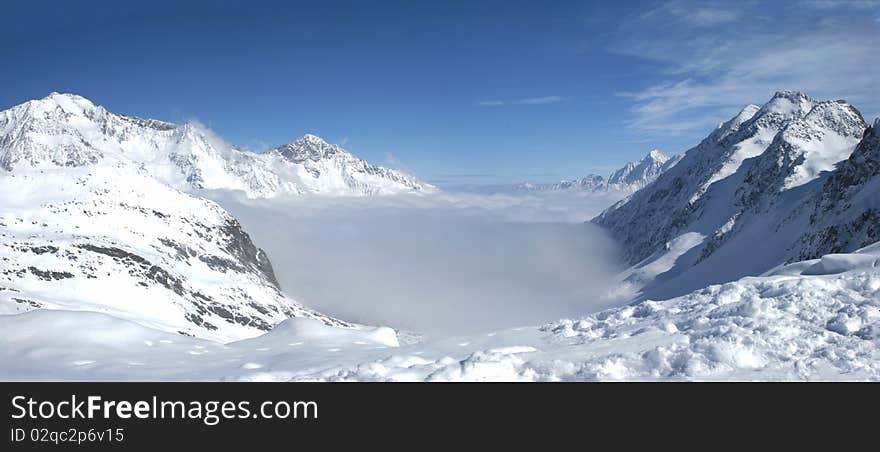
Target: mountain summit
(635,175)
(308,147)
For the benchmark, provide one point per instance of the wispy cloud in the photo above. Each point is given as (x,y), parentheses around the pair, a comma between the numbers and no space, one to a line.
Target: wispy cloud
(526,101)
(541,100)
(750,51)
(701,15)
(834,4)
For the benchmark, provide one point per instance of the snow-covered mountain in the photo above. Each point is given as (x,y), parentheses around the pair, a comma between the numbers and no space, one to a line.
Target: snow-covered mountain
(69,130)
(631,177)
(636,175)
(747,198)
(113,239)
(327,168)
(94,217)
(588,183)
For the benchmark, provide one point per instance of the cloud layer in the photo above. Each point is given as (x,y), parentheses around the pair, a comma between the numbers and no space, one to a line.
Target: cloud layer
(441,264)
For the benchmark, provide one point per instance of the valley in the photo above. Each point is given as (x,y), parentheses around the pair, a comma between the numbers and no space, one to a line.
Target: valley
(137,249)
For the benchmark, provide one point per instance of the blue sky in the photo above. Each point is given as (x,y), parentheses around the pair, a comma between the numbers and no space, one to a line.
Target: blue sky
(455,92)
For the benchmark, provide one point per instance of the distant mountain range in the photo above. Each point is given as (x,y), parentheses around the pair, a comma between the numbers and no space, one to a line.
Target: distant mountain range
(66,130)
(631,177)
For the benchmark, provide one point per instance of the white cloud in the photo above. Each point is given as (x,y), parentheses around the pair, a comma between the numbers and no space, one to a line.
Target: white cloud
(709,74)
(834,4)
(490,103)
(695,14)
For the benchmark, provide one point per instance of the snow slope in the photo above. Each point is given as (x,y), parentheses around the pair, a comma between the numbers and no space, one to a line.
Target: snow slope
(69,131)
(631,177)
(112,239)
(747,190)
(811,320)
(845,213)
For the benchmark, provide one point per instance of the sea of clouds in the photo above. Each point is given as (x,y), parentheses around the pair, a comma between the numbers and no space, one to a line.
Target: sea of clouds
(438,264)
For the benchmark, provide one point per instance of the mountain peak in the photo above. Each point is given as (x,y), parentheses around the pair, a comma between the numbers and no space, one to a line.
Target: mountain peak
(57,97)
(68,102)
(308,147)
(656,155)
(787,104)
(311,139)
(791,95)
(56,94)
